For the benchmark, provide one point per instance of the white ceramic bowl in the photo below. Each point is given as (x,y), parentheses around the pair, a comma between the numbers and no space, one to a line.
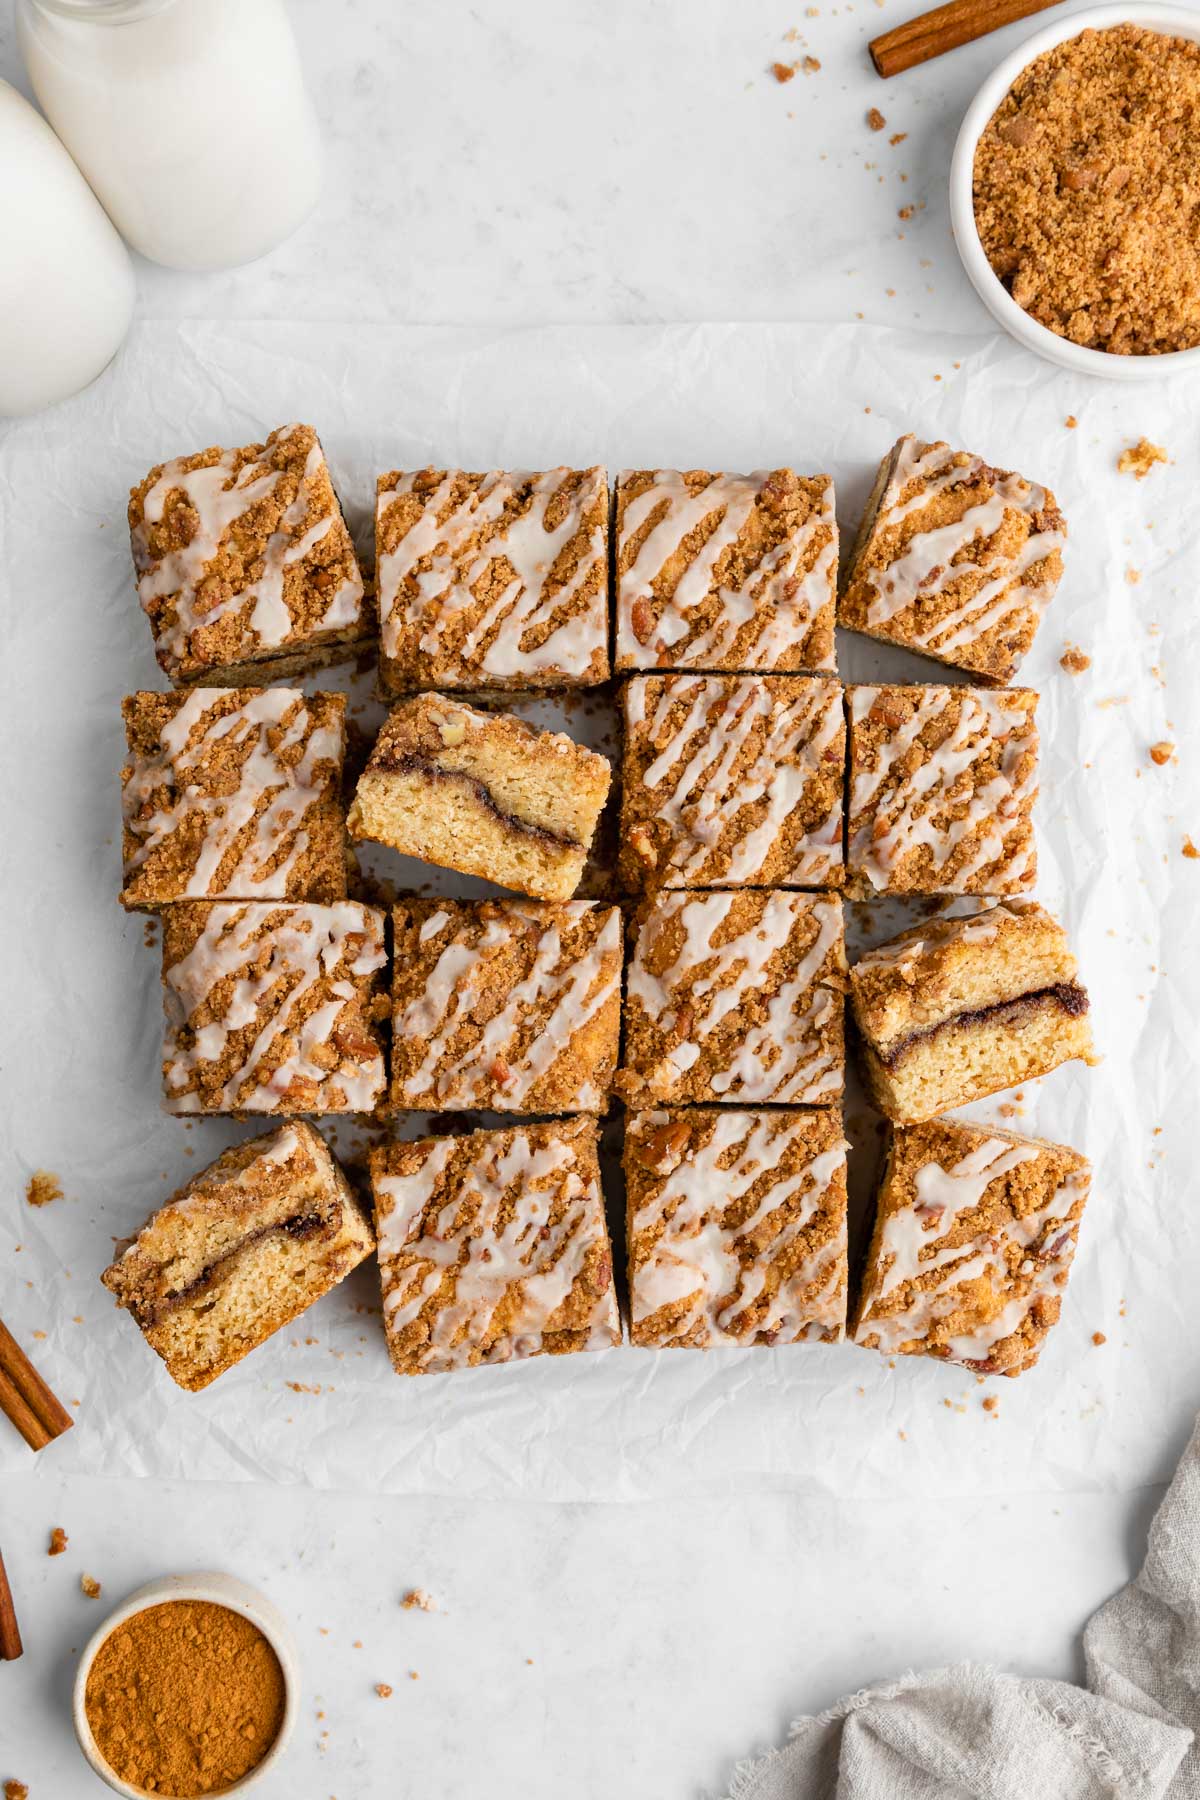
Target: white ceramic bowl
(1173,21)
(222,1590)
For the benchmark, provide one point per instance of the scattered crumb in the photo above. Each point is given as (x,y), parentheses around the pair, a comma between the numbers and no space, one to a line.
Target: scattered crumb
(811,64)
(991,1403)
(1190,850)
(1074,660)
(413,1676)
(875,119)
(419,1599)
(383,1690)
(903,1436)
(58,1541)
(90,1586)
(1132,575)
(906,212)
(43,1188)
(1070,421)
(897,137)
(1140,458)
(15,1790)
(1161,753)
(1008,1110)
(357,1644)
(1098,1338)
(783,71)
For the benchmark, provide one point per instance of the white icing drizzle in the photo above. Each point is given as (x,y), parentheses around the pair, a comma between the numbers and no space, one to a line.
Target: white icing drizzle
(696,1257)
(304,941)
(974,928)
(699,789)
(486,1258)
(882,835)
(292,788)
(926,567)
(575,991)
(495,645)
(781,617)
(219,494)
(906,1252)
(781,1059)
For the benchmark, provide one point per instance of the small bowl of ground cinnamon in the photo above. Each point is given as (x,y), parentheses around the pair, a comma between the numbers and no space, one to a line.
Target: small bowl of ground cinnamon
(188,1689)
(1075,192)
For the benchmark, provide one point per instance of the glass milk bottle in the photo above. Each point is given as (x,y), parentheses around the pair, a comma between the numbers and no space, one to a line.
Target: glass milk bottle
(188,117)
(66,282)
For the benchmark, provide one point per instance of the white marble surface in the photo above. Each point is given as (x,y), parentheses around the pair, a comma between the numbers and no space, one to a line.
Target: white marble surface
(606,160)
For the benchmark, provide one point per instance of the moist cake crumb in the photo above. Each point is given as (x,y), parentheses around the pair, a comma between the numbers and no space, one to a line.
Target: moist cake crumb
(1161,753)
(417,1599)
(1074,660)
(58,1541)
(876,120)
(42,1187)
(1140,458)
(90,1586)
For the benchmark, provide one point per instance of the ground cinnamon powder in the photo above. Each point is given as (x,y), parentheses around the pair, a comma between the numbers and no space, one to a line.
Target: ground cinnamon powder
(185,1699)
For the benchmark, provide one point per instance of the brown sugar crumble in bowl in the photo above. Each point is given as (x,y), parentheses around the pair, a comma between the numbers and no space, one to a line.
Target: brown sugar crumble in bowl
(1085,191)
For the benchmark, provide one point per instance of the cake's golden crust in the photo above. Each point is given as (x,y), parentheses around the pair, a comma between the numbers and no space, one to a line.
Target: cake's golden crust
(233,793)
(272,1009)
(483,793)
(732,779)
(243,556)
(496,580)
(239,1251)
(493,1246)
(954,559)
(942,786)
(736,1227)
(735,998)
(975,1229)
(507,1006)
(718,571)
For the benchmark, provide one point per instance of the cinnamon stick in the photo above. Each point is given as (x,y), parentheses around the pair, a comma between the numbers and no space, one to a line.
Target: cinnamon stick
(945,28)
(25,1399)
(10,1631)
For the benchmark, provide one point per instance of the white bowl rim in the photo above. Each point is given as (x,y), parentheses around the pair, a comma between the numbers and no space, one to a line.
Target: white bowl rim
(1175,21)
(222,1590)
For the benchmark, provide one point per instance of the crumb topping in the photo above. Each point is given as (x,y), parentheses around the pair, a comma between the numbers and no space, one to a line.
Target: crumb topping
(1140,458)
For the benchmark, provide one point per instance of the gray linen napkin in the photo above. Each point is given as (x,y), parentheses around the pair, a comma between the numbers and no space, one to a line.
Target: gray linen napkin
(969,1733)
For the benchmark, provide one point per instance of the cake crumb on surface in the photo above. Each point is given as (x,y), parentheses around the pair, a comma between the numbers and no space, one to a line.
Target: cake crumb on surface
(43,1187)
(897,137)
(417,1599)
(811,64)
(1070,421)
(991,1403)
(783,71)
(875,119)
(58,1541)
(90,1586)
(15,1790)
(1190,850)
(383,1690)
(1074,660)
(1161,753)
(1140,458)
(1099,1338)
(1132,575)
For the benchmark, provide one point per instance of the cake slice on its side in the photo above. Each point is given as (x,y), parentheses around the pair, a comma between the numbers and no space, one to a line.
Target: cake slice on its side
(239,1251)
(482,793)
(957,1009)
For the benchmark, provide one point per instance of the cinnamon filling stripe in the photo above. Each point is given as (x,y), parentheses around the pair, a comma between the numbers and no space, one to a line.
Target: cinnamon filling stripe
(1067,996)
(408,762)
(300,1227)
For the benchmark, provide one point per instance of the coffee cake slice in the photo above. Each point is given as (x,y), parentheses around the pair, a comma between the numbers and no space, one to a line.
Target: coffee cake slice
(975,1232)
(957,1009)
(732,780)
(736,1228)
(719,571)
(272,1009)
(505,1005)
(482,793)
(736,998)
(496,580)
(239,1251)
(954,559)
(233,794)
(493,1247)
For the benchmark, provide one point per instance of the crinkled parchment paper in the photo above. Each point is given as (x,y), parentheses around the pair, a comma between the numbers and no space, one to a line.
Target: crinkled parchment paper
(80,1020)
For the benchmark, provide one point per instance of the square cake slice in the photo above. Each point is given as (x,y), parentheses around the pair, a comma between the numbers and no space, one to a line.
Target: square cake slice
(733,780)
(493,1247)
(957,1009)
(245,567)
(719,571)
(736,998)
(482,793)
(496,580)
(975,1230)
(233,794)
(736,1228)
(505,1005)
(272,1009)
(954,559)
(239,1251)
(942,786)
